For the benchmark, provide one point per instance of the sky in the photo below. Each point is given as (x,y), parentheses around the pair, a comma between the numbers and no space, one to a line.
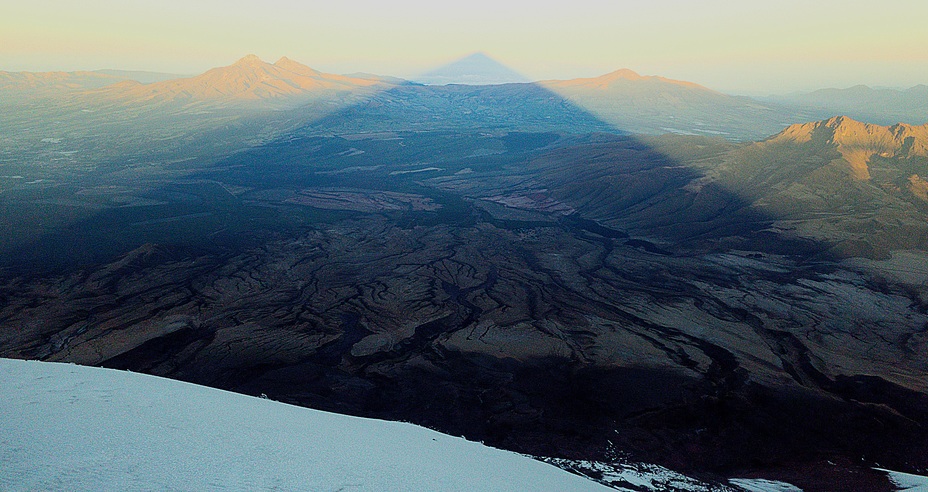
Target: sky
(747,46)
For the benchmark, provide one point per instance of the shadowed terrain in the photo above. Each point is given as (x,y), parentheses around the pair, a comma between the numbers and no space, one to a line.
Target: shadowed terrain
(720,308)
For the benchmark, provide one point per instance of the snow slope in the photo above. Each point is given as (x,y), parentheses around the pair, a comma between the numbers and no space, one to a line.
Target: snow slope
(761,485)
(907,482)
(67,427)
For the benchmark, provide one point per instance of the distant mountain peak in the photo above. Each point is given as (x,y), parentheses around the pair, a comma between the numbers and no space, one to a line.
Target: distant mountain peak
(249,80)
(249,60)
(622,73)
(475,69)
(858,142)
(839,129)
(296,67)
(842,123)
(621,76)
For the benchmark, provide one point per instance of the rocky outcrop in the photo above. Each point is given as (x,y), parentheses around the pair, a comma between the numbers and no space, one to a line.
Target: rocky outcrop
(858,142)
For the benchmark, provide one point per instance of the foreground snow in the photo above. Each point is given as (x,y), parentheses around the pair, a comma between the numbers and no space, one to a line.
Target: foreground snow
(761,485)
(907,482)
(66,427)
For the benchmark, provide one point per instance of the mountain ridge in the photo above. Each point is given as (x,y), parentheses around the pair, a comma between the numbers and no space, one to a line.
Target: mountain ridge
(859,142)
(884,106)
(50,83)
(622,100)
(248,79)
(654,105)
(607,80)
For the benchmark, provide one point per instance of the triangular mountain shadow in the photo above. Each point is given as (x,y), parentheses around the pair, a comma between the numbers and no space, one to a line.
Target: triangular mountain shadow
(423,256)
(476,69)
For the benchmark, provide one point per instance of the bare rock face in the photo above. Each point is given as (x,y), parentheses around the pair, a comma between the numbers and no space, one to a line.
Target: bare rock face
(858,142)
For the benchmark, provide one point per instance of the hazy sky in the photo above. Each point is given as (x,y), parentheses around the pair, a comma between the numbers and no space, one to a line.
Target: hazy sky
(738,46)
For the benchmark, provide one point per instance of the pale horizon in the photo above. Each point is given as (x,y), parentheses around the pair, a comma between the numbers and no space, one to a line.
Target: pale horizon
(735,47)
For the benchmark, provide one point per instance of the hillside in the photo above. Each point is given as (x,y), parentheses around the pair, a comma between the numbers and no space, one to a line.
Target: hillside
(553,295)
(493,261)
(857,142)
(248,80)
(66,427)
(852,189)
(656,105)
(860,187)
(94,117)
(622,102)
(48,84)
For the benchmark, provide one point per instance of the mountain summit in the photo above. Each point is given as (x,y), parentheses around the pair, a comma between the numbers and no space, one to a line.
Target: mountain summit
(296,67)
(844,131)
(248,60)
(475,69)
(859,142)
(652,104)
(249,79)
(618,78)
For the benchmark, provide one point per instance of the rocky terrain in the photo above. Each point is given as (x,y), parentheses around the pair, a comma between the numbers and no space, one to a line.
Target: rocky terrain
(497,262)
(680,327)
(111,117)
